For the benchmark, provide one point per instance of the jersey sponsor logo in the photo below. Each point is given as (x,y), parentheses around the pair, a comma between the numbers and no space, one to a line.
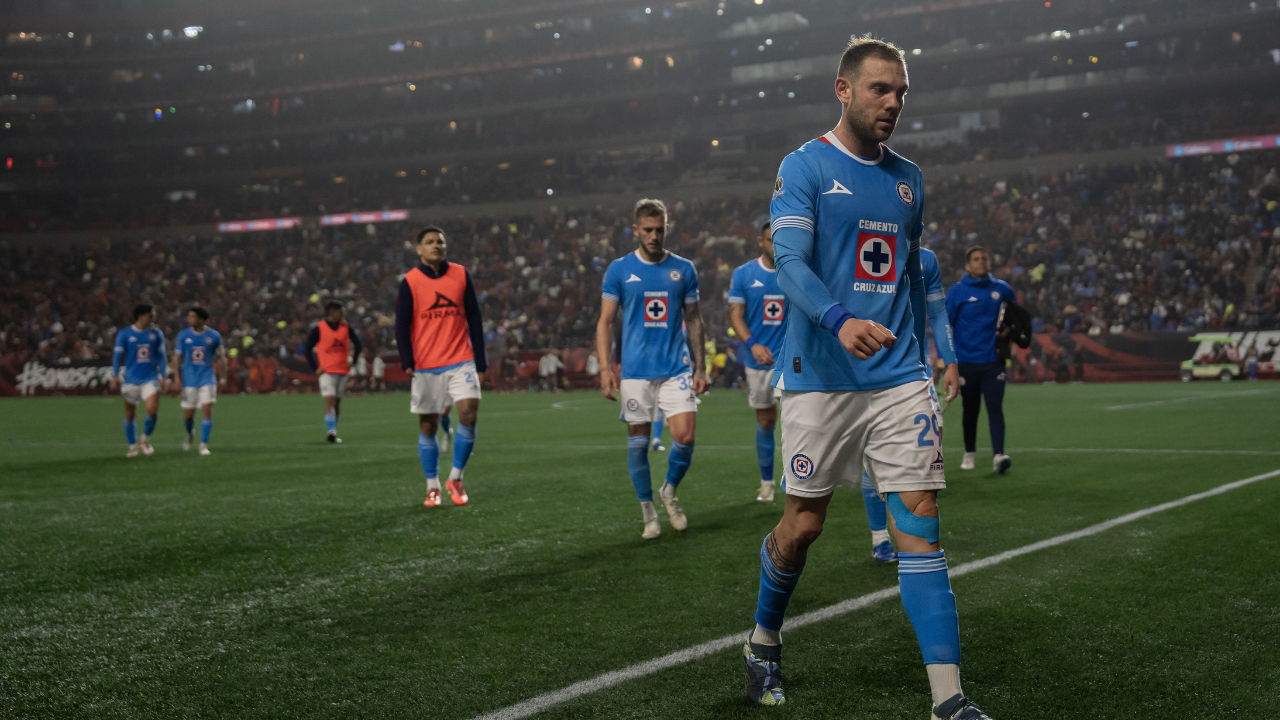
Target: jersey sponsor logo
(875,287)
(878,227)
(144,354)
(655,310)
(774,309)
(442,302)
(905,193)
(674,275)
(757,283)
(197,355)
(801,466)
(633,278)
(837,189)
(875,258)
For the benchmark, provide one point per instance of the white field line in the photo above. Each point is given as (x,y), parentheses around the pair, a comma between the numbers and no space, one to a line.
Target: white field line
(546,701)
(1171,401)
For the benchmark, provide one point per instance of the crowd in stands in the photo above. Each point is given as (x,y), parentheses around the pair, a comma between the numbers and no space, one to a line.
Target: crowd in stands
(1181,245)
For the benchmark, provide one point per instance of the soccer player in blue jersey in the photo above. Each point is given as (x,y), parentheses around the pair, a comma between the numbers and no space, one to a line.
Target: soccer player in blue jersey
(198,367)
(757,312)
(846,231)
(661,365)
(935,303)
(137,368)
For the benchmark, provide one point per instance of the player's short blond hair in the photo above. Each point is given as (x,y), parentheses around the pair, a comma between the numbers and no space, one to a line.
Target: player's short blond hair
(865,46)
(651,207)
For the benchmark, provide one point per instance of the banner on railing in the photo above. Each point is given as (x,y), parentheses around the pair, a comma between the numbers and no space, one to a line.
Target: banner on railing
(1215,147)
(284,223)
(365,217)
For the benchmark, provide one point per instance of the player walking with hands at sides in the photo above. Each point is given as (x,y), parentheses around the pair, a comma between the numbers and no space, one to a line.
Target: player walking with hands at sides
(846,231)
(973,307)
(330,345)
(198,367)
(137,367)
(757,312)
(441,340)
(661,366)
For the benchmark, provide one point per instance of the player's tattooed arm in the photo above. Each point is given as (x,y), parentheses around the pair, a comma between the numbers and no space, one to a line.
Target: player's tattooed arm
(697,346)
(604,338)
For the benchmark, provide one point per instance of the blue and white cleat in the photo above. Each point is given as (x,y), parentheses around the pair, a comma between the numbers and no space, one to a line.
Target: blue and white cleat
(656,445)
(764,673)
(958,707)
(884,552)
(1000,464)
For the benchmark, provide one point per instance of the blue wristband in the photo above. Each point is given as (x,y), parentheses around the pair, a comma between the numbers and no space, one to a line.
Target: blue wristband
(834,319)
(749,342)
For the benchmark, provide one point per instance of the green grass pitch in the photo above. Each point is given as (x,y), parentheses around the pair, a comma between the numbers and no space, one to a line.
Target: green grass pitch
(284,577)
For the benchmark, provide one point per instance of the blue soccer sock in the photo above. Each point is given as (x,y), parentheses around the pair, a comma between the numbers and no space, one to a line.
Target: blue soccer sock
(930,605)
(206,428)
(331,421)
(678,462)
(764,452)
(465,440)
(429,454)
(149,426)
(657,426)
(190,424)
(444,423)
(131,431)
(877,511)
(776,587)
(638,466)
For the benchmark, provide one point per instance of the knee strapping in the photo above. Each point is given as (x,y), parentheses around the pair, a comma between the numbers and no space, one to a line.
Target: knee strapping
(910,523)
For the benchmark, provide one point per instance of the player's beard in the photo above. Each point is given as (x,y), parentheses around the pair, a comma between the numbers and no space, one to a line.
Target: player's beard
(866,129)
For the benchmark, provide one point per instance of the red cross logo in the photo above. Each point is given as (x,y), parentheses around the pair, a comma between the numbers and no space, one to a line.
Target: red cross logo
(655,309)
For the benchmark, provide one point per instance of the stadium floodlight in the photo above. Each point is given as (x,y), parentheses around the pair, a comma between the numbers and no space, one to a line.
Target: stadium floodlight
(192,31)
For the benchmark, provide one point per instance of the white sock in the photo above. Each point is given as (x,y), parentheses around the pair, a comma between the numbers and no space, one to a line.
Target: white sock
(648,512)
(433,484)
(879,536)
(668,490)
(760,636)
(455,473)
(944,682)
(766,482)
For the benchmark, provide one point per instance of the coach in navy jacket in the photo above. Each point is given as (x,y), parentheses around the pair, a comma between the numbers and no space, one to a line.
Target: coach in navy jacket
(973,307)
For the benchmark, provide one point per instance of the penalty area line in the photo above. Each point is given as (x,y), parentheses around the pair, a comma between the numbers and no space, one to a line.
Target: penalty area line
(546,701)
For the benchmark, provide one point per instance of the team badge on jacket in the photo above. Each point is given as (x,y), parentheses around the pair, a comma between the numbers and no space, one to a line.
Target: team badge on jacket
(905,193)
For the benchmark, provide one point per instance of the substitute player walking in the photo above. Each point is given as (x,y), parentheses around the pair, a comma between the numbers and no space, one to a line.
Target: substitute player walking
(758,313)
(846,229)
(137,368)
(662,367)
(198,367)
(330,346)
(441,341)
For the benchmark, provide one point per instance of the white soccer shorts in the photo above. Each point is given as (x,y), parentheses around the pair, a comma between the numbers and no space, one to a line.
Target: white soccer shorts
(642,399)
(138,394)
(193,398)
(760,392)
(333,385)
(431,392)
(828,439)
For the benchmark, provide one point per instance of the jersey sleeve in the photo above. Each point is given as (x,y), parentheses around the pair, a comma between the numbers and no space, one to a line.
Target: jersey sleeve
(177,343)
(935,304)
(117,354)
(612,289)
(932,276)
(793,210)
(161,367)
(1010,295)
(691,292)
(737,289)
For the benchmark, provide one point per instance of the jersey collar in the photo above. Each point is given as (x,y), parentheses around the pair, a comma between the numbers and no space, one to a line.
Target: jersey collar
(762,267)
(834,142)
(640,257)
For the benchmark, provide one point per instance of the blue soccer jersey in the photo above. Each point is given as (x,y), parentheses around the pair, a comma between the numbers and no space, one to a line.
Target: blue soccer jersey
(198,350)
(756,287)
(935,301)
(843,229)
(652,296)
(142,354)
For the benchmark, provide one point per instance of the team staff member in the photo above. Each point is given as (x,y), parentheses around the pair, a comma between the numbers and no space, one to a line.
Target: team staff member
(973,307)
(441,340)
(330,344)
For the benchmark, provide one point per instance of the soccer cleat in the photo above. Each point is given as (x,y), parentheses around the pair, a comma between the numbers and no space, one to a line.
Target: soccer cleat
(678,521)
(204,449)
(332,437)
(958,707)
(884,552)
(656,445)
(968,462)
(145,445)
(764,673)
(766,492)
(651,530)
(186,444)
(1000,464)
(433,498)
(456,493)
(133,451)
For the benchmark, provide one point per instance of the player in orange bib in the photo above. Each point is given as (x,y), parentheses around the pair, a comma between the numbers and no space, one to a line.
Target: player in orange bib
(441,341)
(330,345)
